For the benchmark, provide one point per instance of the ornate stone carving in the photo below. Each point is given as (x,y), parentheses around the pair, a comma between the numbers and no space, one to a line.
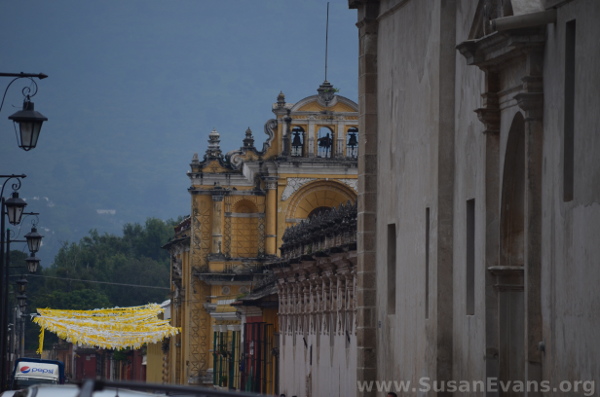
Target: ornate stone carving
(317,277)
(199,319)
(352,183)
(236,157)
(270,127)
(293,184)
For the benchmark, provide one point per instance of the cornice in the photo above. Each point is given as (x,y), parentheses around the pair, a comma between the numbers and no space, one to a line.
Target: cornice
(492,52)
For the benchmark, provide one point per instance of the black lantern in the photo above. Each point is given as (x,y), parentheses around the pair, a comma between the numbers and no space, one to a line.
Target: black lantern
(14,208)
(22,300)
(34,240)
(32,263)
(22,284)
(30,124)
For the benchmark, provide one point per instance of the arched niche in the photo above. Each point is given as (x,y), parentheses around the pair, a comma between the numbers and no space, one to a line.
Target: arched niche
(512,231)
(325,142)
(509,283)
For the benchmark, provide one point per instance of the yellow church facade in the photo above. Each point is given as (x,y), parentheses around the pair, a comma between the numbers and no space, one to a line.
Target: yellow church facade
(242,201)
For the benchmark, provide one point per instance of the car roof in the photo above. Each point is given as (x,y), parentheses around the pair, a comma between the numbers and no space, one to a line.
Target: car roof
(71,390)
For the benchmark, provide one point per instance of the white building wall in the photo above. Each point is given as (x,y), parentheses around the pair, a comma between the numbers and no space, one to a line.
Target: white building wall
(569,248)
(571,230)
(413,75)
(415,146)
(470,181)
(333,368)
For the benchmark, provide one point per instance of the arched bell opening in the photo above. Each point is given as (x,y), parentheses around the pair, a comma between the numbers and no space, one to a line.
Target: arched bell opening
(352,142)
(325,143)
(297,142)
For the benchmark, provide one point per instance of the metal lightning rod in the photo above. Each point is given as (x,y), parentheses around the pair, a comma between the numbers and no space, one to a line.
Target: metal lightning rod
(326,39)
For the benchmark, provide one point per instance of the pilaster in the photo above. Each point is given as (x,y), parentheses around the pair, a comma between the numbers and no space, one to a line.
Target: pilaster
(368,26)
(271,216)
(217,221)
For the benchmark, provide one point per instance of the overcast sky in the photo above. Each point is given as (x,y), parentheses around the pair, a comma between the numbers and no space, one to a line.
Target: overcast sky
(136,86)
(172,69)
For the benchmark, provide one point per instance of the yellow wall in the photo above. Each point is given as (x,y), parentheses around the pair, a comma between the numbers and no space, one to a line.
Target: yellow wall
(154,363)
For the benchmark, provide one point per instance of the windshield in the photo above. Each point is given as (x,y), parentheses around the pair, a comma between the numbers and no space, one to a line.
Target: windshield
(21,383)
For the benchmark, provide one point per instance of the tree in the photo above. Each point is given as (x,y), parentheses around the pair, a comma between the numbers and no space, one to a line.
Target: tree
(103,270)
(100,264)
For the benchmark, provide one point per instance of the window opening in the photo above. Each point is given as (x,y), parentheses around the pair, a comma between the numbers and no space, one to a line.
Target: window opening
(297,142)
(352,143)
(325,142)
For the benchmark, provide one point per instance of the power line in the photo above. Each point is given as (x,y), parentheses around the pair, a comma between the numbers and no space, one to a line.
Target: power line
(98,282)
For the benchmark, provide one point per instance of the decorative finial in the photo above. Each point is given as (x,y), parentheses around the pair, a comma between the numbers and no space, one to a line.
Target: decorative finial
(280,99)
(249,140)
(214,148)
(326,91)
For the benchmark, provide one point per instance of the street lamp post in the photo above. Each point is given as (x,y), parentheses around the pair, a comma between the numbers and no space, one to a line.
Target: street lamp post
(20,319)
(11,208)
(28,122)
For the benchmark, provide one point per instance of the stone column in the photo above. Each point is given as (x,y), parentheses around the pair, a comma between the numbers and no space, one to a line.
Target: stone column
(292,304)
(341,304)
(310,138)
(271,216)
(325,304)
(315,283)
(352,303)
(532,103)
(297,306)
(217,230)
(329,292)
(305,285)
(444,220)
(340,138)
(282,309)
(489,115)
(285,142)
(366,338)
(345,277)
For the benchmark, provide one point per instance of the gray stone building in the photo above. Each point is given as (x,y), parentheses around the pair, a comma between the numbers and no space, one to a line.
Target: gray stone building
(479,196)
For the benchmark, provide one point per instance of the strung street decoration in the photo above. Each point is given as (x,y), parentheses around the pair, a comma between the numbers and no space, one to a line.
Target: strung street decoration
(116,328)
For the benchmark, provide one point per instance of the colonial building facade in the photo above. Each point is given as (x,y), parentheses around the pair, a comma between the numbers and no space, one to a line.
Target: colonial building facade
(241,204)
(479,199)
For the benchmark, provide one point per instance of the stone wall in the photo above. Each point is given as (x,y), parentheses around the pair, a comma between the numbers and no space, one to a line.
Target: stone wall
(486,201)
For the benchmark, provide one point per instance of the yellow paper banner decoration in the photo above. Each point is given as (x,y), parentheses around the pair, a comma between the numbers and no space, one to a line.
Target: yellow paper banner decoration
(116,328)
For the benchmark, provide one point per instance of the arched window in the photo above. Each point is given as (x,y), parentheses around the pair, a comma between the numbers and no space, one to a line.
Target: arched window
(513,216)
